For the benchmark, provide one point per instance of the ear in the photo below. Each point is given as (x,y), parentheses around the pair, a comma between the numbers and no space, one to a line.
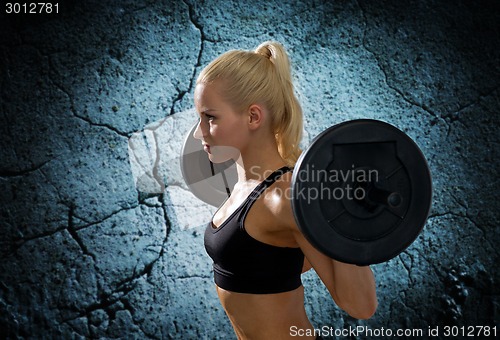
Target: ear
(255,116)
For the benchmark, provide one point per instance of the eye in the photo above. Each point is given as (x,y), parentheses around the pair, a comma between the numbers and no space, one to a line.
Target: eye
(209,117)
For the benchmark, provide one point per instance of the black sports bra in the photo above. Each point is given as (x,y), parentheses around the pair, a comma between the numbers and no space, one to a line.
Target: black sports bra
(245,265)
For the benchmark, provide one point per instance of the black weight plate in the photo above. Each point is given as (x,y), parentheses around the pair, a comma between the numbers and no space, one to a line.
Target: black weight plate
(210,182)
(348,160)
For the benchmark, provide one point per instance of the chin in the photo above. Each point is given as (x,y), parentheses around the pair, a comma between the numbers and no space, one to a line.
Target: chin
(218,158)
(221,154)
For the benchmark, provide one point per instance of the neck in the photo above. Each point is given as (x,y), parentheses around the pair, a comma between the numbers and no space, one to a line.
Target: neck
(257,161)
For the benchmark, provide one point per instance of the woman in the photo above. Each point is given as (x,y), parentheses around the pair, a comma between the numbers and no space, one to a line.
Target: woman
(246,104)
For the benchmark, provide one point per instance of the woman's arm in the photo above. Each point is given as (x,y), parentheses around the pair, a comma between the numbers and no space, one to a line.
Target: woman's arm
(352,287)
(355,289)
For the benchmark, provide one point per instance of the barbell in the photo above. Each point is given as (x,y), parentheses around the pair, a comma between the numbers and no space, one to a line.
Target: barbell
(361,192)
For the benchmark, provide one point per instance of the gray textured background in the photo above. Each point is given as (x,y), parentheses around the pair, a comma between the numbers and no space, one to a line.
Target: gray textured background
(84,253)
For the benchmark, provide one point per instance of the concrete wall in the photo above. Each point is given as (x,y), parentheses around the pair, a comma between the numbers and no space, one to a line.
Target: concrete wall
(84,253)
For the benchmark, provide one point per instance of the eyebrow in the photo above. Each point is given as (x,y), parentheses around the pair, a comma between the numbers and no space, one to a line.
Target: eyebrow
(207,111)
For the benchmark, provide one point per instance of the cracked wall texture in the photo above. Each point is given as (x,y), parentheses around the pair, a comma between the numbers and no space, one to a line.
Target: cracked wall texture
(84,254)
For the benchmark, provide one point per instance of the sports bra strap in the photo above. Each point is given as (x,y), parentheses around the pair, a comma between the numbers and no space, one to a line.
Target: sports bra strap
(259,189)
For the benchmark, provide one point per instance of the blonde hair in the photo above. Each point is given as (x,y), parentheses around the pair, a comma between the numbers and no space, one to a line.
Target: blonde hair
(262,76)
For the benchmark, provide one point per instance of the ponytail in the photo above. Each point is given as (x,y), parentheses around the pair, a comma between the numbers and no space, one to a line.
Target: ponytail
(287,122)
(262,76)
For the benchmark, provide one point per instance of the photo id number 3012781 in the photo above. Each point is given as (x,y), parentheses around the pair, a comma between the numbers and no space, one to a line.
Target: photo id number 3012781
(31,8)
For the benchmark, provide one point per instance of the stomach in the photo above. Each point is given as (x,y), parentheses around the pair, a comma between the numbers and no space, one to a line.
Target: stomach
(265,316)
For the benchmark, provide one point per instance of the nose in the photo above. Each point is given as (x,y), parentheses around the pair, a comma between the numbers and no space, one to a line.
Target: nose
(198,134)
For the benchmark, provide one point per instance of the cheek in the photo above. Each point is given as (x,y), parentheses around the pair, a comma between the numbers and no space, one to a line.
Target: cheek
(218,133)
(229,132)
(227,140)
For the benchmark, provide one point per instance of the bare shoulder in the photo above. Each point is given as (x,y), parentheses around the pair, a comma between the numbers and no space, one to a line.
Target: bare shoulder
(279,201)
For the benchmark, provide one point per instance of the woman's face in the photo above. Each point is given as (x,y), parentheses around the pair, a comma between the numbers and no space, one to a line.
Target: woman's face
(222,130)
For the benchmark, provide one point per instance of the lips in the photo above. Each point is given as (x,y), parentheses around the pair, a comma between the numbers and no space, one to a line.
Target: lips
(206,147)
